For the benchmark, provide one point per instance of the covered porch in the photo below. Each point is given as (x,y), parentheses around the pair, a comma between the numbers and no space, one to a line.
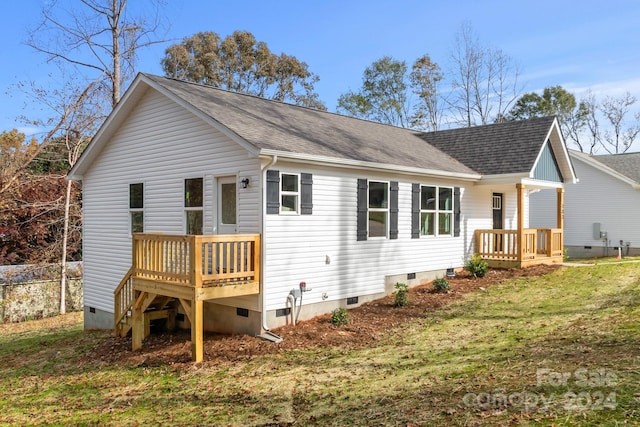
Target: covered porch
(172,271)
(523,247)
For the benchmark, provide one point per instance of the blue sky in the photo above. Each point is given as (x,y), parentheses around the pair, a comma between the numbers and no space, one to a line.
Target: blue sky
(579,45)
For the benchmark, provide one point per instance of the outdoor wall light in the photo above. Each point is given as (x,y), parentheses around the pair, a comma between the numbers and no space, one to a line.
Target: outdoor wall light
(245,182)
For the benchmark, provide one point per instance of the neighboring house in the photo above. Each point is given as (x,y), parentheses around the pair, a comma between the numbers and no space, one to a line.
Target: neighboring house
(255,213)
(601,210)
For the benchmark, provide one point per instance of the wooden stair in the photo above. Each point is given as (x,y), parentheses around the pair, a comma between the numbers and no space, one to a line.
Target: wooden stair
(161,307)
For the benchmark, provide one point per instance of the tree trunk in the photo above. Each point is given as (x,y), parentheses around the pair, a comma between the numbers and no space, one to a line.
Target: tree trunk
(63,269)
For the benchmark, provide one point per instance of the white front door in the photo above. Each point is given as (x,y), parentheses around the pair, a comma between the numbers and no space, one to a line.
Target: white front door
(227,205)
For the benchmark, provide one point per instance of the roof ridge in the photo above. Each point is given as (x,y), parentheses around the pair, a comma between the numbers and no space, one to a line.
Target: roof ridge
(262,98)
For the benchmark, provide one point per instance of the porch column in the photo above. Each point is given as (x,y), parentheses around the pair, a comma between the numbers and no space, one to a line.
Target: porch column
(560,214)
(520,191)
(560,208)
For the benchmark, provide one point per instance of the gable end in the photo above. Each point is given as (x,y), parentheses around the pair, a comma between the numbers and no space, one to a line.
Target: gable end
(547,166)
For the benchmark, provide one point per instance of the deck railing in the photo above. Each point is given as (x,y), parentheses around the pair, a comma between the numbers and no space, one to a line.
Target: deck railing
(186,261)
(503,244)
(197,260)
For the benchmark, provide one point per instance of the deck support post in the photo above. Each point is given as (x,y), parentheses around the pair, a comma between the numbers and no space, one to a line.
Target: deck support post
(197,308)
(137,327)
(520,239)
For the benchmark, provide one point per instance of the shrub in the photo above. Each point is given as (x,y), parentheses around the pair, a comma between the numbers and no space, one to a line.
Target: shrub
(441,285)
(402,295)
(477,266)
(339,317)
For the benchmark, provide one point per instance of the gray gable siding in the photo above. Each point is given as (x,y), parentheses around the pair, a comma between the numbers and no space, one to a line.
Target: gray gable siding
(547,167)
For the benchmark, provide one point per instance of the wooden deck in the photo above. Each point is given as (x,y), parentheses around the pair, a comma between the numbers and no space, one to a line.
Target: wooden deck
(168,271)
(501,248)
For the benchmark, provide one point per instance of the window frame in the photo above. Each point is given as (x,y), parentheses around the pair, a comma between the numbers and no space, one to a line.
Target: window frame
(282,193)
(188,209)
(135,210)
(386,210)
(437,212)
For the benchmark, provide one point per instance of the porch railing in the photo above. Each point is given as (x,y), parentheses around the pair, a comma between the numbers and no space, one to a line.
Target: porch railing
(503,244)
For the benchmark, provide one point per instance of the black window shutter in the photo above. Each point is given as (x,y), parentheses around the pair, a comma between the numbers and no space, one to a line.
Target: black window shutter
(415,211)
(362,210)
(456,211)
(273,192)
(393,210)
(306,200)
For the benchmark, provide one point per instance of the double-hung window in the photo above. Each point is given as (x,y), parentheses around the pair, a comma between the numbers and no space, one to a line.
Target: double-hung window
(193,203)
(289,193)
(445,210)
(378,208)
(436,211)
(136,207)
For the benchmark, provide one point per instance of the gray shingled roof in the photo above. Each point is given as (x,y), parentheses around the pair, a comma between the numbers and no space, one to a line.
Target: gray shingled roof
(627,164)
(503,148)
(500,148)
(267,124)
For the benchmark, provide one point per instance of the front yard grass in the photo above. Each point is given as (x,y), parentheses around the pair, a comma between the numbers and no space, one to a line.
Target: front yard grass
(561,349)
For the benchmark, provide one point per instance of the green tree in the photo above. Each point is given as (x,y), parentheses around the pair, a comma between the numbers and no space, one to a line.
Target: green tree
(15,152)
(555,101)
(240,63)
(383,96)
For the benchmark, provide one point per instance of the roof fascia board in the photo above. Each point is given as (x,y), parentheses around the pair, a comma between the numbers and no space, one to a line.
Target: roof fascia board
(536,183)
(507,178)
(518,178)
(350,164)
(554,137)
(117,115)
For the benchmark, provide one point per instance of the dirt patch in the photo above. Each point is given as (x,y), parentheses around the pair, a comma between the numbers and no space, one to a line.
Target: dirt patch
(367,325)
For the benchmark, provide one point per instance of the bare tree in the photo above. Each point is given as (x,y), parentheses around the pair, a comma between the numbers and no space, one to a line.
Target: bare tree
(504,87)
(484,81)
(82,122)
(425,79)
(622,135)
(592,122)
(99,37)
(96,44)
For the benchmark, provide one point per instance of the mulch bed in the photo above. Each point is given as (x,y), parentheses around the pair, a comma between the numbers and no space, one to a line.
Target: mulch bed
(368,324)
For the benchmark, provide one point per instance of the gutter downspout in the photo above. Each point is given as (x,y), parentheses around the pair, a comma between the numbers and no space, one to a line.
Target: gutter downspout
(263,296)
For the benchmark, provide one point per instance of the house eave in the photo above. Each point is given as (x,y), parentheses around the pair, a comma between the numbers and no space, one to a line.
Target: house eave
(358,164)
(585,158)
(518,178)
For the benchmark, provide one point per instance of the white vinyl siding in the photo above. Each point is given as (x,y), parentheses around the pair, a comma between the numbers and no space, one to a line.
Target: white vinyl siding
(597,198)
(160,144)
(322,249)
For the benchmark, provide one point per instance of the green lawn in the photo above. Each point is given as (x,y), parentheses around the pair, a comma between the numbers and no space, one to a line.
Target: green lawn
(562,349)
